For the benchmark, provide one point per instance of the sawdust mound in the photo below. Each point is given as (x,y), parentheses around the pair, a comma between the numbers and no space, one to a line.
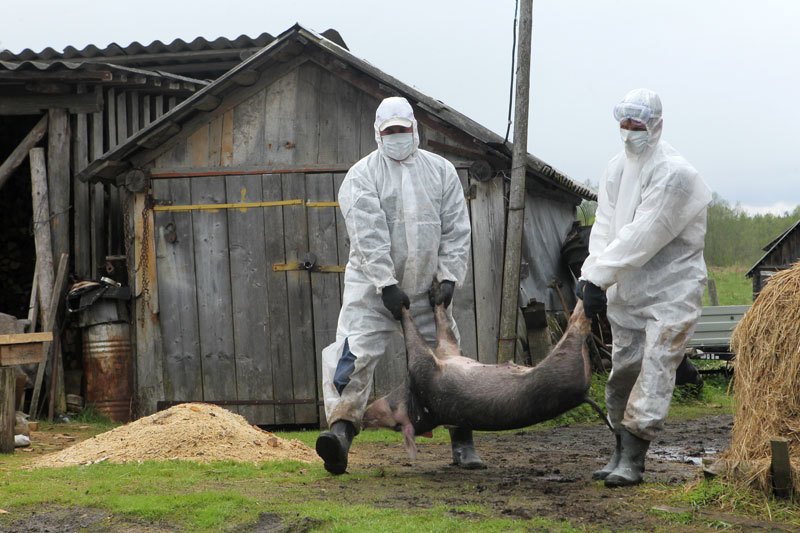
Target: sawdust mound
(767,381)
(197,432)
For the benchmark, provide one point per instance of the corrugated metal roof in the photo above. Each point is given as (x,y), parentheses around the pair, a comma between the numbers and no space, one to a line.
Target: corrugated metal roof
(185,111)
(136,48)
(199,58)
(118,73)
(773,246)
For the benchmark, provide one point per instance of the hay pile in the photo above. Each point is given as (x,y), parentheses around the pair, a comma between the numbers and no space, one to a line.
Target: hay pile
(192,431)
(767,381)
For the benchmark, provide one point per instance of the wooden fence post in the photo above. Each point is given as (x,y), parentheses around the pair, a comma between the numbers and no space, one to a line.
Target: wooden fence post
(7,409)
(712,292)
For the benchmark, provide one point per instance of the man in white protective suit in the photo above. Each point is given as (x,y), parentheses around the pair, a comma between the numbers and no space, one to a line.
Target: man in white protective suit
(646,256)
(408,223)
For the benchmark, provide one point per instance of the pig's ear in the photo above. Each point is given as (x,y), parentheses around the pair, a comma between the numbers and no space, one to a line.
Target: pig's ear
(408,437)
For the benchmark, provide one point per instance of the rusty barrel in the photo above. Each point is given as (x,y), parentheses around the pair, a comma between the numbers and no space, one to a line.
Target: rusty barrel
(108,366)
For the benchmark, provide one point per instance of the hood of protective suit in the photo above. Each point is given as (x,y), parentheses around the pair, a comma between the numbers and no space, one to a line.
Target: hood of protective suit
(648,100)
(395,107)
(648,235)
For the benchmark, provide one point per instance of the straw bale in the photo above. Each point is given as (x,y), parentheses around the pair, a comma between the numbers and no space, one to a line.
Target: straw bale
(766,385)
(197,432)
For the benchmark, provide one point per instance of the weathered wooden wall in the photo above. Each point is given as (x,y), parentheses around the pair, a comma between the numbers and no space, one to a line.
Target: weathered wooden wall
(233,328)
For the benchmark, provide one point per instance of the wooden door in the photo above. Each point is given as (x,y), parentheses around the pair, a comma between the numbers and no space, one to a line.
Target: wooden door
(237,313)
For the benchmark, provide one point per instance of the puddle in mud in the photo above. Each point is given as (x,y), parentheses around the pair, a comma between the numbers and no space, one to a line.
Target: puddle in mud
(681,454)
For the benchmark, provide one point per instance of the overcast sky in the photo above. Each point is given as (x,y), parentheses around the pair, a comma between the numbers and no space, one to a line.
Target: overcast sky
(727,70)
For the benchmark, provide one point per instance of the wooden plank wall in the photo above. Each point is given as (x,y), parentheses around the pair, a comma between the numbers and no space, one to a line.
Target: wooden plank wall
(233,327)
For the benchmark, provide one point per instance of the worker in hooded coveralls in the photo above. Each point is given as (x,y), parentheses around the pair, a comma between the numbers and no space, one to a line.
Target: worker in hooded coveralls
(408,224)
(646,258)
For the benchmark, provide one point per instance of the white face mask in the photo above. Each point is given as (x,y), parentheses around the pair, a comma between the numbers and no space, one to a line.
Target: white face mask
(398,145)
(635,141)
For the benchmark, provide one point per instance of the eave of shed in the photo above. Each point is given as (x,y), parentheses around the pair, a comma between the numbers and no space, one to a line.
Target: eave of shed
(290,44)
(774,245)
(107,74)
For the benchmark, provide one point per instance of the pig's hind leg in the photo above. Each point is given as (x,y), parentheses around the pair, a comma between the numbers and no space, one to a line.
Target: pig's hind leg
(446,342)
(419,353)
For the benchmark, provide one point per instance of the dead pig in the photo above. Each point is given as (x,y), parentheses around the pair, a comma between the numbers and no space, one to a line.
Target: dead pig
(445,388)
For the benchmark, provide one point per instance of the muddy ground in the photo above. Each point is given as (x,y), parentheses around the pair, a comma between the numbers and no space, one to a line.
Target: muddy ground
(533,473)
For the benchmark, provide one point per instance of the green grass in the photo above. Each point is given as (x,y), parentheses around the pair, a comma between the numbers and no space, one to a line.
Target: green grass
(715,496)
(211,497)
(733,288)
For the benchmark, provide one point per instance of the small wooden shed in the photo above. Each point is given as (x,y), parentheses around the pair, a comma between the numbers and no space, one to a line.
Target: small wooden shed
(780,254)
(238,247)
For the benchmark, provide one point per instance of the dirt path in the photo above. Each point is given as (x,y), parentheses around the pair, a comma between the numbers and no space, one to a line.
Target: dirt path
(541,473)
(545,473)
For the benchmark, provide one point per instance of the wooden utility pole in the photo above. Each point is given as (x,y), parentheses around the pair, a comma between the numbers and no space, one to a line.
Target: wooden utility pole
(507,341)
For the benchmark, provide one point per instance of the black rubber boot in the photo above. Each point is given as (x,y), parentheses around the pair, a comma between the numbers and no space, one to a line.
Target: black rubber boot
(603,473)
(630,469)
(333,445)
(464,454)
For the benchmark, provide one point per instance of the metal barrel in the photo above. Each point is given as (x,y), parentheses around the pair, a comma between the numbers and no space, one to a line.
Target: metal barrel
(108,366)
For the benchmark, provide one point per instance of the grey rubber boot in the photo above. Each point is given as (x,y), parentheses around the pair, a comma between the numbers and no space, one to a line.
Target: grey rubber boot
(630,469)
(333,445)
(603,473)
(464,454)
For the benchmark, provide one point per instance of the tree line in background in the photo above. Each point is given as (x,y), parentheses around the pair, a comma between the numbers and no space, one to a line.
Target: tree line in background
(733,237)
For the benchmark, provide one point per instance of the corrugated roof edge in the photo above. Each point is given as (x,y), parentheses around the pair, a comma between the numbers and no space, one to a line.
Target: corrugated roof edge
(54,66)
(436,107)
(113,49)
(775,243)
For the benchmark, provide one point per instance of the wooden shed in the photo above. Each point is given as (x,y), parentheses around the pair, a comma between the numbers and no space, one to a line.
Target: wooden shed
(780,254)
(77,104)
(238,250)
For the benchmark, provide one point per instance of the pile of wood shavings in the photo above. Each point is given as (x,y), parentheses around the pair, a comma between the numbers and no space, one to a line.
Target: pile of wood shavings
(197,432)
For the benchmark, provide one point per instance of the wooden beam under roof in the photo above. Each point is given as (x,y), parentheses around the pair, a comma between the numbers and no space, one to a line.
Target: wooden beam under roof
(33,105)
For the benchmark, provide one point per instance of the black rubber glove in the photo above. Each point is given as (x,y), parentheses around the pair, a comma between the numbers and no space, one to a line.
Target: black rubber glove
(395,299)
(594,298)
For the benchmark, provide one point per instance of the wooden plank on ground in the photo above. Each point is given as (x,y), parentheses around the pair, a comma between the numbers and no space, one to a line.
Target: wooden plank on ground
(277,301)
(177,297)
(248,272)
(322,242)
(464,301)
(212,268)
(487,214)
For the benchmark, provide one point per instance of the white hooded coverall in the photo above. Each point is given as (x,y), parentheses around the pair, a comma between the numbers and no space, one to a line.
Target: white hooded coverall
(646,251)
(407,222)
